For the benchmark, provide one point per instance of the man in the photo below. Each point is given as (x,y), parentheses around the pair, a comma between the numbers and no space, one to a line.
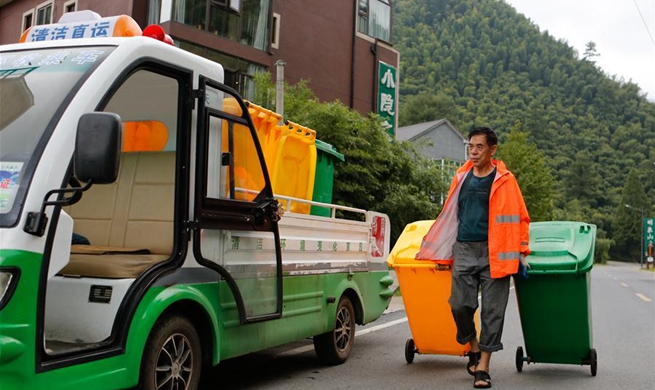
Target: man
(483,231)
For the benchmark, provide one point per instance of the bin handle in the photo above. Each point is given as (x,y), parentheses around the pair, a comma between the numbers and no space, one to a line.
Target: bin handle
(558,272)
(438,267)
(562,272)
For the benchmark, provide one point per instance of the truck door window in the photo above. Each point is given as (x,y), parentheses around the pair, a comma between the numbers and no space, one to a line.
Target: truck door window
(234,169)
(148,105)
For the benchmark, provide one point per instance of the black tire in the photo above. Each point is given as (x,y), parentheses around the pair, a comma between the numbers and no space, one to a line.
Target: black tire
(334,346)
(519,359)
(593,358)
(409,351)
(172,358)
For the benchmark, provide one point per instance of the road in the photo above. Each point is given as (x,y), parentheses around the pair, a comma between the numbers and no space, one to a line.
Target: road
(623,319)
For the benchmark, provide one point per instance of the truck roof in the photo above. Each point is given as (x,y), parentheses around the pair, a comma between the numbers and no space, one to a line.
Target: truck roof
(131,48)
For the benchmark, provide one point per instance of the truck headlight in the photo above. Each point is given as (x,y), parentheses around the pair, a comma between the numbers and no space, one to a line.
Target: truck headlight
(8,280)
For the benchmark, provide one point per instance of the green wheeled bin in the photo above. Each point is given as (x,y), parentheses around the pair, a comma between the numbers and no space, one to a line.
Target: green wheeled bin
(326,158)
(554,300)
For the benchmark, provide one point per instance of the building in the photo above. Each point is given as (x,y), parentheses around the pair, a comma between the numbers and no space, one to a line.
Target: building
(439,141)
(436,140)
(342,47)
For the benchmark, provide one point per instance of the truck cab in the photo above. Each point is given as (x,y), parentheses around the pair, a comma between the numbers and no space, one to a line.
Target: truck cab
(140,235)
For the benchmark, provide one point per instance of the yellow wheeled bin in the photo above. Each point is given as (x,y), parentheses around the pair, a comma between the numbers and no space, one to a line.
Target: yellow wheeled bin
(425,288)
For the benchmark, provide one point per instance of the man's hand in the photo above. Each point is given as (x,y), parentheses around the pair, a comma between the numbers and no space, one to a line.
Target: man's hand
(523,266)
(524,261)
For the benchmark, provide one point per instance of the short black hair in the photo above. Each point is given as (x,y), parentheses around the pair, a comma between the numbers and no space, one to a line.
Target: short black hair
(492,138)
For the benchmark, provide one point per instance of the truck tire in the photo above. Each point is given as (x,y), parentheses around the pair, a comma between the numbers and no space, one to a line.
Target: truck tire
(334,346)
(172,358)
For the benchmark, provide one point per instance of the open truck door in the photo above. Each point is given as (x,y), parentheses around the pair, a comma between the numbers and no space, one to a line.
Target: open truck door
(236,214)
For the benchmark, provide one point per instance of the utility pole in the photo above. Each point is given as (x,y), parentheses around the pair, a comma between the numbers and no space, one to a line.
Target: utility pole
(279,89)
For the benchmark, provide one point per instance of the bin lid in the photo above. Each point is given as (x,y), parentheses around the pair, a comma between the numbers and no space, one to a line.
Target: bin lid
(329,149)
(408,244)
(562,246)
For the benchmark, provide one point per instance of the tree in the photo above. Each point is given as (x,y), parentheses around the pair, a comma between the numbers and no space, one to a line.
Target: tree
(528,164)
(425,107)
(566,104)
(378,174)
(590,52)
(627,223)
(582,179)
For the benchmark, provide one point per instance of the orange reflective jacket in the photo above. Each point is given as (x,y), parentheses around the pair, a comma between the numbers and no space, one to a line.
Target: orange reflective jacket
(508,224)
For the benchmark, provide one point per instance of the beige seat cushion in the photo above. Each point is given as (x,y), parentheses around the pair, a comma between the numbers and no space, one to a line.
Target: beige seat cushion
(114,266)
(106,250)
(129,223)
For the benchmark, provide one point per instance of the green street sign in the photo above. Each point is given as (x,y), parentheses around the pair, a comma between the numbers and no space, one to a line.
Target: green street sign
(387,87)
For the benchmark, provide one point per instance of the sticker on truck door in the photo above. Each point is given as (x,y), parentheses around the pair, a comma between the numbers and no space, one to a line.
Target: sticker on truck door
(9,174)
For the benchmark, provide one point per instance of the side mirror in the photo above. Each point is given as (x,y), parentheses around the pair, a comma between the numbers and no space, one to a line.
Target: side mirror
(98,147)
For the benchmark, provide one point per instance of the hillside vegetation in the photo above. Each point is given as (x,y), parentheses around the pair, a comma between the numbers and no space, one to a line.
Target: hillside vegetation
(479,62)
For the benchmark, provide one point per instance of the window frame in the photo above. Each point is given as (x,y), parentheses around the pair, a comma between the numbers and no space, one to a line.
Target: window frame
(68,4)
(40,7)
(275,30)
(229,5)
(25,14)
(365,15)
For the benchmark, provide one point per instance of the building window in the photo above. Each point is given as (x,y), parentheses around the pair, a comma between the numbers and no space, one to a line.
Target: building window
(275,28)
(374,18)
(243,21)
(70,6)
(44,13)
(28,19)
(153,11)
(238,72)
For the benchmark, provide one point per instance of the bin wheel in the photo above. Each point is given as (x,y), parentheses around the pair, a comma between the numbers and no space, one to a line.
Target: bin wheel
(593,357)
(409,351)
(519,359)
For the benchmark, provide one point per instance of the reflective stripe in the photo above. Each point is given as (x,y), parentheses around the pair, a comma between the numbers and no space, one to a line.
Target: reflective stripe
(508,255)
(511,218)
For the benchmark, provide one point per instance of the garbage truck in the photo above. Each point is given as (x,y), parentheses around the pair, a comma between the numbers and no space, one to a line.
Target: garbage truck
(141,239)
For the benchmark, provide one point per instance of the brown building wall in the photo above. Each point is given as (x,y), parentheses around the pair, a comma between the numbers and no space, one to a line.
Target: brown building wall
(366,62)
(316,43)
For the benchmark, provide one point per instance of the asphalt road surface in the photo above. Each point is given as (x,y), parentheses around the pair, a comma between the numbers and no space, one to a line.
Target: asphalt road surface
(623,325)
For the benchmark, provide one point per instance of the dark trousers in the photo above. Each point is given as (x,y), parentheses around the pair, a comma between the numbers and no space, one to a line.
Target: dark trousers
(470,273)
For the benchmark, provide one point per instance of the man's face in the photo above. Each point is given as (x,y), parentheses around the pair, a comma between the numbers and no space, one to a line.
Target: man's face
(480,152)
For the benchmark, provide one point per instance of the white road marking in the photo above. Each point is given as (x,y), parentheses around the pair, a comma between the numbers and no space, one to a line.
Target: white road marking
(643,297)
(307,348)
(382,326)
(623,284)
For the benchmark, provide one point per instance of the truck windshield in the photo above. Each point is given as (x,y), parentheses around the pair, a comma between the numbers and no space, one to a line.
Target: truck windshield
(35,86)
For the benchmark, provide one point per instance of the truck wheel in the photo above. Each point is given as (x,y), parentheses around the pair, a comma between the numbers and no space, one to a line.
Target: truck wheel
(172,358)
(334,346)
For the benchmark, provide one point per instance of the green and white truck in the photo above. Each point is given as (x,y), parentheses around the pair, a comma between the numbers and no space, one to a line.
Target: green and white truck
(135,148)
